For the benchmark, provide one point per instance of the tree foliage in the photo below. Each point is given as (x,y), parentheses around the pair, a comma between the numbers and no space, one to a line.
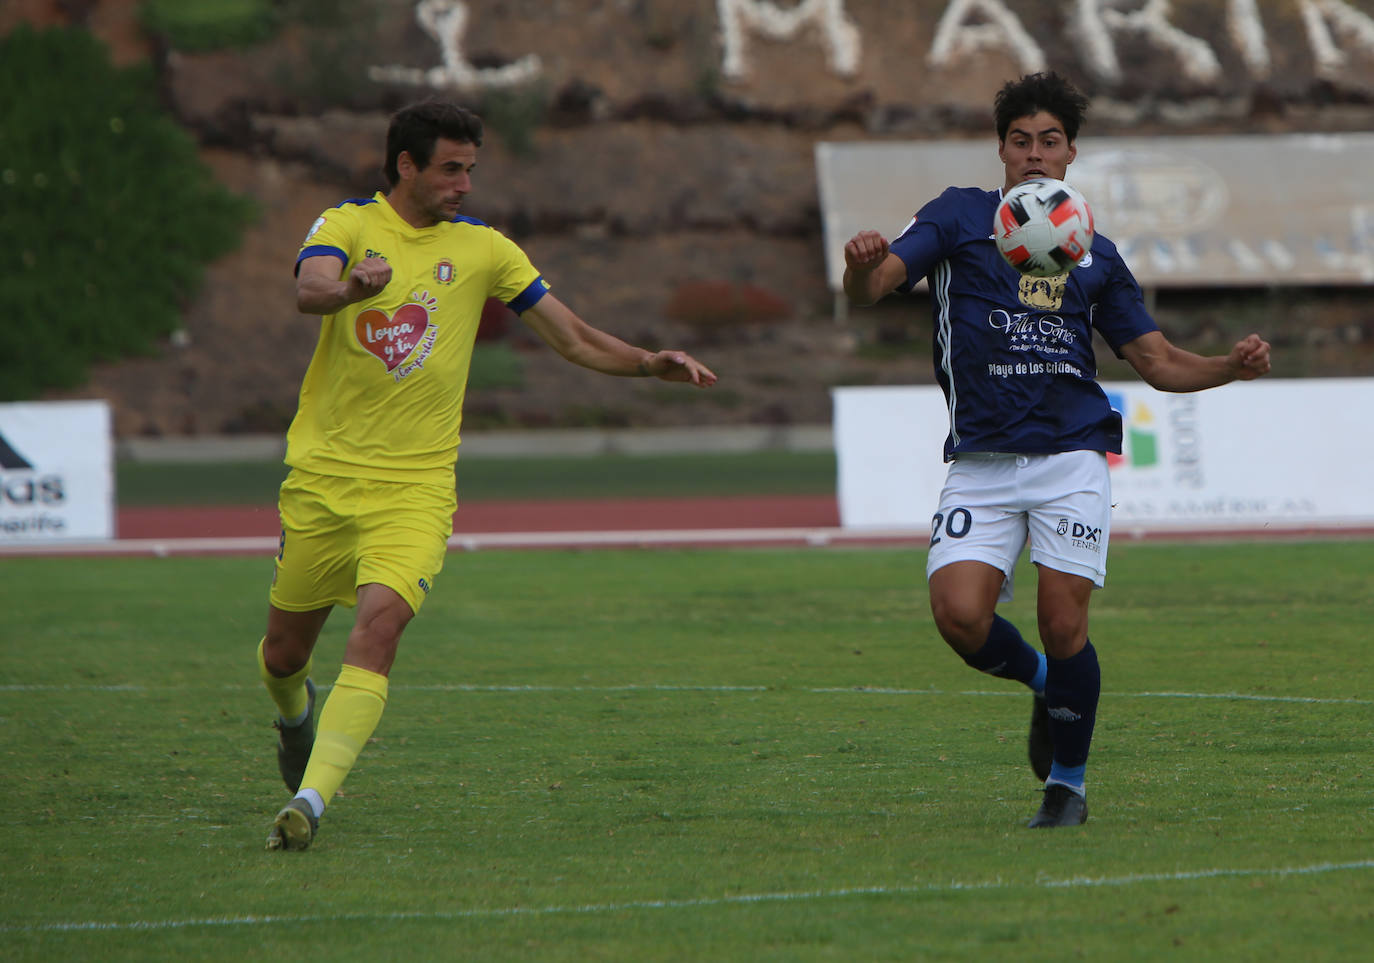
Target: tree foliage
(210,24)
(108,214)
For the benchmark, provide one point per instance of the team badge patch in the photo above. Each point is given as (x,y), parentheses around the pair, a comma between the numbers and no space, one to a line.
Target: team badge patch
(1047,294)
(443,271)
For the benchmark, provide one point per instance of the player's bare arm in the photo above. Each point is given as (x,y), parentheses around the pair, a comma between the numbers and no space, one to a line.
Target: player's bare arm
(593,348)
(1167,367)
(320,290)
(871,269)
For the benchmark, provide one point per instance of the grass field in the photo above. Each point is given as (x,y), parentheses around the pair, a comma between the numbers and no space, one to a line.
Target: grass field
(695,755)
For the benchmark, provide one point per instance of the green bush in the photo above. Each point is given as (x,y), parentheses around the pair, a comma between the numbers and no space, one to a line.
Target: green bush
(514,113)
(495,366)
(210,24)
(108,214)
(335,40)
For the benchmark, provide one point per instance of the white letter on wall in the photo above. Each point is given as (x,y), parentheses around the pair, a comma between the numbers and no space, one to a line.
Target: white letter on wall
(842,40)
(954,37)
(446,21)
(1356,25)
(1096,17)
(1247,30)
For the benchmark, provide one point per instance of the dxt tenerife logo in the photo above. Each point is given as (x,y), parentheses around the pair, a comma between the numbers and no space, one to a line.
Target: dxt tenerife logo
(1080,535)
(23,488)
(1140,436)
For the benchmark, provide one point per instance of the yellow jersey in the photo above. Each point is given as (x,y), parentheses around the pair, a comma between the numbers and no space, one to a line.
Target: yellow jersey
(383,396)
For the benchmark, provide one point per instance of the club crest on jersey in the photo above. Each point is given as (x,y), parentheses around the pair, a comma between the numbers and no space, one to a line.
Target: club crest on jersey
(402,340)
(444,272)
(1044,294)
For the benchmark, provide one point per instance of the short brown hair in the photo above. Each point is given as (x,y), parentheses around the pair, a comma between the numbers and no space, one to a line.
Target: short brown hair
(416,129)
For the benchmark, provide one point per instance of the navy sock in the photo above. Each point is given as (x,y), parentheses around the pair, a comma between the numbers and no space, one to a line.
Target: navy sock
(1008,656)
(1072,687)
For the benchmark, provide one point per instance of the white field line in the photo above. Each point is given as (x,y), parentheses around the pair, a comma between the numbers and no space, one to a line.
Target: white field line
(813,537)
(796,896)
(516,688)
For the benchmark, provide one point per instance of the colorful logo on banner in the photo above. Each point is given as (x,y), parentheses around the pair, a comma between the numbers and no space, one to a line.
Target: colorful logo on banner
(1140,434)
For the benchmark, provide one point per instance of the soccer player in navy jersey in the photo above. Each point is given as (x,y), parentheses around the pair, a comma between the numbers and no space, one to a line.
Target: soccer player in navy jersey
(1029,425)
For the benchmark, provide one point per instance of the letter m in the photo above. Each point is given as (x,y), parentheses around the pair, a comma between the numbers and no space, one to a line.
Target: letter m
(842,41)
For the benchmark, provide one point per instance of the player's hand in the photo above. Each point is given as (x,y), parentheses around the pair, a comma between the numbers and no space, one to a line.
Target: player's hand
(865,251)
(678,366)
(367,279)
(1249,358)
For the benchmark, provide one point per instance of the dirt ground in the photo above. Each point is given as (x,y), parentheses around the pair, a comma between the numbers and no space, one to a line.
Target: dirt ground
(638,183)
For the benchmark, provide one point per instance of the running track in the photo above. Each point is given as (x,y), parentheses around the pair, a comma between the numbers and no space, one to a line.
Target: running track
(484,518)
(570,523)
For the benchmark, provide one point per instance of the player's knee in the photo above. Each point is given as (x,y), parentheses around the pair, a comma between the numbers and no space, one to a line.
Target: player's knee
(372,645)
(286,651)
(1063,634)
(964,628)
(382,629)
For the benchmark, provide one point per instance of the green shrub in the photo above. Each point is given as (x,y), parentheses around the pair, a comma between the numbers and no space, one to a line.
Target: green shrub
(495,365)
(333,42)
(210,24)
(515,113)
(108,214)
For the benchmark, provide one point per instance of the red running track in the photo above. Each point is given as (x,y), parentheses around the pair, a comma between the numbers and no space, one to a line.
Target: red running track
(479,518)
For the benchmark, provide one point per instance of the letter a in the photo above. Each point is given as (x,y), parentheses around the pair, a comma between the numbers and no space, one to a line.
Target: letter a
(1003,31)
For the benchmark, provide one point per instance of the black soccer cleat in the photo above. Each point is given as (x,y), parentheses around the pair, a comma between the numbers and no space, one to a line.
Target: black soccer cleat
(294,828)
(295,742)
(1039,746)
(1061,807)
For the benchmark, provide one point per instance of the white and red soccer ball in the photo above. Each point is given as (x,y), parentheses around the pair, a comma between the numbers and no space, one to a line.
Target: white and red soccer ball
(1043,227)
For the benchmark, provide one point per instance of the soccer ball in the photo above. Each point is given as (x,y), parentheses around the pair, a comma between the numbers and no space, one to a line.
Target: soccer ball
(1043,227)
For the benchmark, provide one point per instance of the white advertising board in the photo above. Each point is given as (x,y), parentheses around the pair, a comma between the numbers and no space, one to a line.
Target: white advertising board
(56,471)
(1271,454)
(1183,211)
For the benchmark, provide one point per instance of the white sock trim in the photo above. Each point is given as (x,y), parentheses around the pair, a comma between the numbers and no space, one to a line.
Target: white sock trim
(315,801)
(1078,790)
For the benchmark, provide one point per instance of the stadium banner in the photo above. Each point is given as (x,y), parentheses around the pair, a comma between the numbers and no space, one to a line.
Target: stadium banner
(1183,211)
(56,471)
(1254,456)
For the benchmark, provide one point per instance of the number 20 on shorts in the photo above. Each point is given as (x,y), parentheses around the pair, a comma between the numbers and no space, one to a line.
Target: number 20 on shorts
(956,524)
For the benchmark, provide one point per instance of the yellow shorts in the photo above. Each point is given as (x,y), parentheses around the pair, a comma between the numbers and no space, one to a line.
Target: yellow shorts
(339,533)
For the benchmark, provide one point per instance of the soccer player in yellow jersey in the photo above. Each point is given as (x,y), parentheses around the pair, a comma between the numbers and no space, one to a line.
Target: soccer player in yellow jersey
(400,280)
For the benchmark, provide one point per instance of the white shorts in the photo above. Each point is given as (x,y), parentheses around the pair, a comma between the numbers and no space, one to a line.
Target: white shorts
(991,503)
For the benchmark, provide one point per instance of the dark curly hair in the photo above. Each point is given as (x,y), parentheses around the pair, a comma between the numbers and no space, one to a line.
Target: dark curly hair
(1036,92)
(416,129)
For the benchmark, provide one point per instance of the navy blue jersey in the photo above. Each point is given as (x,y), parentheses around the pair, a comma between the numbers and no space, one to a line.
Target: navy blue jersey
(1014,354)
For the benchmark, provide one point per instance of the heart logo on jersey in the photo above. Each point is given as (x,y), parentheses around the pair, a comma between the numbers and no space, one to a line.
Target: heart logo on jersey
(392,339)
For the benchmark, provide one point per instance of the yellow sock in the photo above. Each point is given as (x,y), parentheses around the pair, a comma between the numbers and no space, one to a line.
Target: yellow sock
(347,721)
(288,692)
